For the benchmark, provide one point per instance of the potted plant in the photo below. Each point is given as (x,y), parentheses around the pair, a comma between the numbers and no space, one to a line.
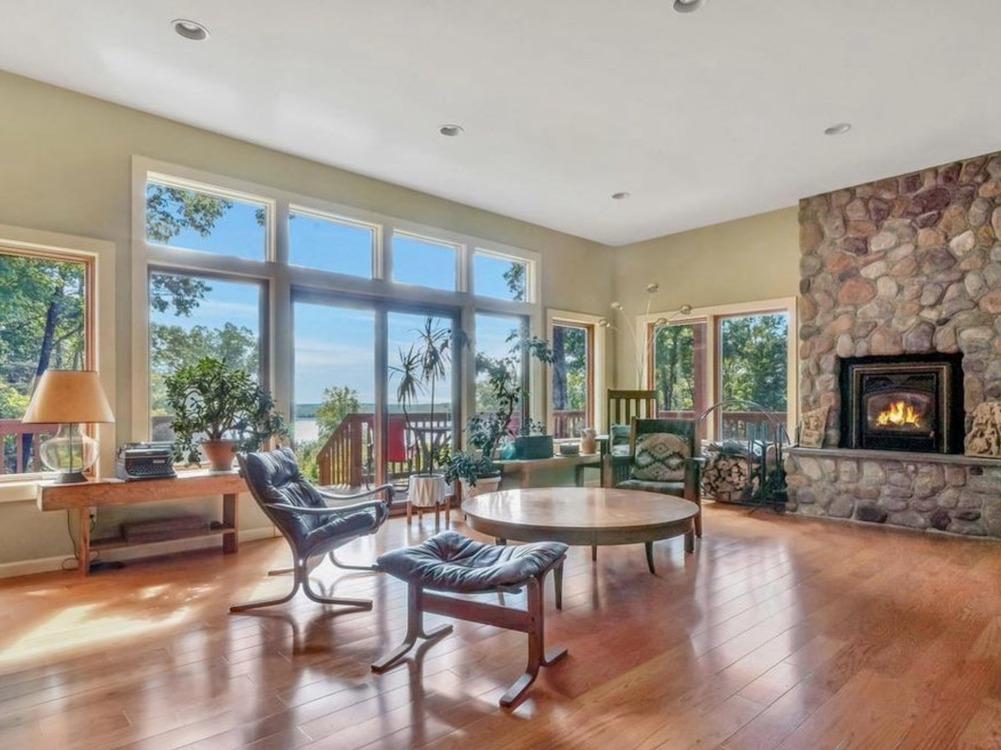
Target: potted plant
(486,431)
(421,368)
(476,473)
(220,409)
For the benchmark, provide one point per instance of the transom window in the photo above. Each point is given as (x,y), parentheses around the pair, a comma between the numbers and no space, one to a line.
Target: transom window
(205,220)
(424,262)
(499,276)
(331,243)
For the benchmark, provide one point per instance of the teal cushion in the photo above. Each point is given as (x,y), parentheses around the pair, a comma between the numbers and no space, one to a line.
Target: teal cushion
(660,457)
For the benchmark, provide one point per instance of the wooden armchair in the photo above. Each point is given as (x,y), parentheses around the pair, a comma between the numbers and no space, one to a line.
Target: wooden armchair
(667,461)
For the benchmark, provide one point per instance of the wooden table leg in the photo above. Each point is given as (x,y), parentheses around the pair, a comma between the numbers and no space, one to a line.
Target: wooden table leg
(83,541)
(649,556)
(230,539)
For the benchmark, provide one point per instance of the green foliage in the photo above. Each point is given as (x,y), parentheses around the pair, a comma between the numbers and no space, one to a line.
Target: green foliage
(171,348)
(42,317)
(514,278)
(466,466)
(674,363)
(12,402)
(338,402)
(569,368)
(420,368)
(213,401)
(183,293)
(171,210)
(506,392)
(753,360)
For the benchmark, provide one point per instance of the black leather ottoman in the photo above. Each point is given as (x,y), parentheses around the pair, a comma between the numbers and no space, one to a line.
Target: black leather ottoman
(456,564)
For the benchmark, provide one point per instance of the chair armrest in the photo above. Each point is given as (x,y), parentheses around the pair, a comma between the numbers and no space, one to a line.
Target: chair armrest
(387,488)
(377,505)
(693,473)
(615,469)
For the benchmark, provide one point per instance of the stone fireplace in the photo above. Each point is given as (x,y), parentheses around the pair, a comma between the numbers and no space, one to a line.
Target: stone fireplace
(900,340)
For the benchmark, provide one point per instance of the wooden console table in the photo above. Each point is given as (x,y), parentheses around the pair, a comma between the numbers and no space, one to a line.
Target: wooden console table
(186,486)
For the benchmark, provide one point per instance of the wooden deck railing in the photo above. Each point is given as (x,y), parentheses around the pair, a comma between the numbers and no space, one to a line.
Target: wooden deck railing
(568,423)
(19,445)
(347,458)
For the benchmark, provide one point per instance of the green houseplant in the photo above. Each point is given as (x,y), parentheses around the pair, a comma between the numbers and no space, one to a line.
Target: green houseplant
(220,409)
(421,367)
(487,430)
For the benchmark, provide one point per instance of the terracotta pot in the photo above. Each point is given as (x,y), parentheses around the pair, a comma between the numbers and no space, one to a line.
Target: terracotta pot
(220,454)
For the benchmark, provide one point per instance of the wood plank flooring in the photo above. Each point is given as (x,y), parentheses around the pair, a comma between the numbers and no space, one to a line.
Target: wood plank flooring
(779,632)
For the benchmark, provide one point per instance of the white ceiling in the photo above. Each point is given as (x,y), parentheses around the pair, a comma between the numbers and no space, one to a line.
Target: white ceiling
(702,117)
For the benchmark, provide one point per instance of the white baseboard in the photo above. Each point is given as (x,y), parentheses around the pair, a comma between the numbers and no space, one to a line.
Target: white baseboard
(49,564)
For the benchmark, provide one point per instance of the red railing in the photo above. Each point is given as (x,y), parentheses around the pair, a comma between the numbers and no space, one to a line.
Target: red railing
(347,458)
(19,445)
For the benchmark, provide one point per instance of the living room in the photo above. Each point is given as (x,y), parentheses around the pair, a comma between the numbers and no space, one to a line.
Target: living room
(76,168)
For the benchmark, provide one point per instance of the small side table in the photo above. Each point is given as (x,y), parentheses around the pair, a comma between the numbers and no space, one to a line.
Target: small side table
(445,502)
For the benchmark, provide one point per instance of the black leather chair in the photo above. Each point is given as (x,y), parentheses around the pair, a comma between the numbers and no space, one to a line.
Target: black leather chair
(624,472)
(310,526)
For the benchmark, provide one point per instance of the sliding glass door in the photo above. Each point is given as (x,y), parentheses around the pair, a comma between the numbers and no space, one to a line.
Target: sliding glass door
(350,429)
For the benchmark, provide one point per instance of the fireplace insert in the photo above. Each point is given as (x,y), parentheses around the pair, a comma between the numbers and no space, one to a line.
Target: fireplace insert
(907,402)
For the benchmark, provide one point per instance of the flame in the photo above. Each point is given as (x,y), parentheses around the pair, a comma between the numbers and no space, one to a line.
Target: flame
(898,414)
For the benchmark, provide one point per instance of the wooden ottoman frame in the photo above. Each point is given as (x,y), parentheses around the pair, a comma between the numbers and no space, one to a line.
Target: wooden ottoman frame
(530,620)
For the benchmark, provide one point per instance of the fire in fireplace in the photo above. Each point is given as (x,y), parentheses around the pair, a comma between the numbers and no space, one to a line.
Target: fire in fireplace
(904,402)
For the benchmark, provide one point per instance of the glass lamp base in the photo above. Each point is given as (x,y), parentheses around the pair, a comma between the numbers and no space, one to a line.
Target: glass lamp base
(69,453)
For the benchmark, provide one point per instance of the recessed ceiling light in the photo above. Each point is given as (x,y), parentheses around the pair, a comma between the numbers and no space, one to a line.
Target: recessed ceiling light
(619,196)
(451,131)
(840,129)
(190,29)
(687,6)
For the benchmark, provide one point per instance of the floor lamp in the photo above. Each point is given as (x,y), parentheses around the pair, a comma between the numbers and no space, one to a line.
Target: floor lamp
(68,398)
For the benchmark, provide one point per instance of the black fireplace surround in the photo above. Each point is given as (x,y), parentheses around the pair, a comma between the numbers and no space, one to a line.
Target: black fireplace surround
(906,402)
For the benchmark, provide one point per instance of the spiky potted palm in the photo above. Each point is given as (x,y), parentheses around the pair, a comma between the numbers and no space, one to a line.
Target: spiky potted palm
(422,367)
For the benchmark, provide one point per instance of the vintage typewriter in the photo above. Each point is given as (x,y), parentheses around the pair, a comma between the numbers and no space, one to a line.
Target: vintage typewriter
(145,461)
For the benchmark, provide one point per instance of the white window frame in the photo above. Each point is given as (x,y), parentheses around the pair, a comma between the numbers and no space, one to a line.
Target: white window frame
(710,316)
(21,487)
(282,277)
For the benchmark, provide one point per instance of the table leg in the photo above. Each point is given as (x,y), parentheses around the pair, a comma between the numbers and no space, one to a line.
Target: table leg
(649,556)
(690,541)
(83,540)
(230,539)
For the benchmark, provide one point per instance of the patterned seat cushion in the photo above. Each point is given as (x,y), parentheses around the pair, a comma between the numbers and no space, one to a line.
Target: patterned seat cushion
(660,457)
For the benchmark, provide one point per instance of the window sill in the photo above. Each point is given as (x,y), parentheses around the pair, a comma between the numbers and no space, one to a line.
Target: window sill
(19,491)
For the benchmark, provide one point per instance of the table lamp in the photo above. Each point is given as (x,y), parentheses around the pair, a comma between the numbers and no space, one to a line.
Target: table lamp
(68,398)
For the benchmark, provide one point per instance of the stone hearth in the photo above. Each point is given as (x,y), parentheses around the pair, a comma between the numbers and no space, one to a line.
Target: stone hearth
(906,265)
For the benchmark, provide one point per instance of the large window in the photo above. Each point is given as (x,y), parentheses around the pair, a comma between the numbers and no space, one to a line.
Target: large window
(753,373)
(317,298)
(44,324)
(192,317)
(679,357)
(727,365)
(572,379)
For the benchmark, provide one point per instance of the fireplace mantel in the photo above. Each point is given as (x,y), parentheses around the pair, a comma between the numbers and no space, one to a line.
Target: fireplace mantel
(902,456)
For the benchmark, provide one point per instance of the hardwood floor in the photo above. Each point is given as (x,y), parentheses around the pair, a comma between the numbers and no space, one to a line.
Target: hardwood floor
(779,632)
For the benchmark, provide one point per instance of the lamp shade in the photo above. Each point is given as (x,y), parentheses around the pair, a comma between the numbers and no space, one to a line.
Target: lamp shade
(68,396)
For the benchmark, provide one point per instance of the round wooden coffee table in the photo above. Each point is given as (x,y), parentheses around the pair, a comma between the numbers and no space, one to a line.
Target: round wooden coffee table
(583,516)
